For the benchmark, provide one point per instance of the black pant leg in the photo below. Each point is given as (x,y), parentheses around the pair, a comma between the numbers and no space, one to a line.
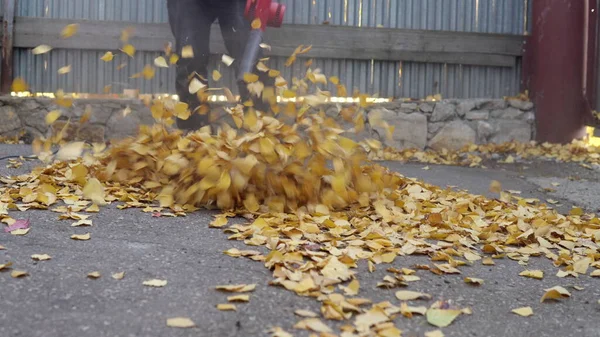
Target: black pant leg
(235,30)
(190,22)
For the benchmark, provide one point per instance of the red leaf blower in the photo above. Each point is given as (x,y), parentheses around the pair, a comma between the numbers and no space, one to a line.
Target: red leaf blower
(270,14)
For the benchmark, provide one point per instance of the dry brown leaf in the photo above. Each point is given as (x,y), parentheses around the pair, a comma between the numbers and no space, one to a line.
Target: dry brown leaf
(81,237)
(524,311)
(41,257)
(474,281)
(555,293)
(305,313)
(406,295)
(239,298)
(237,288)
(180,322)
(536,274)
(226,307)
(94,275)
(118,276)
(19,274)
(155,283)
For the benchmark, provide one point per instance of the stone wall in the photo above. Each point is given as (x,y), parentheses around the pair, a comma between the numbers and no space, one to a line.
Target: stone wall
(446,124)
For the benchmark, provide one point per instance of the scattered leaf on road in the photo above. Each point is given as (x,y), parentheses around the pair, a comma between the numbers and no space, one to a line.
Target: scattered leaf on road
(41,257)
(81,237)
(435,333)
(226,307)
(305,313)
(555,293)
(19,224)
(474,281)
(20,232)
(94,275)
(536,274)
(155,283)
(237,288)
(442,317)
(18,273)
(239,298)
(118,276)
(5,265)
(524,311)
(406,295)
(313,324)
(180,322)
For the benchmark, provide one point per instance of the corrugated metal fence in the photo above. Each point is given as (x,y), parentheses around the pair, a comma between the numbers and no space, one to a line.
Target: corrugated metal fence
(388,79)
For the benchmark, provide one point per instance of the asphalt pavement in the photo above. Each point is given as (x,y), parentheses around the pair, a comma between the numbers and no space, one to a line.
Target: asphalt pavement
(59,300)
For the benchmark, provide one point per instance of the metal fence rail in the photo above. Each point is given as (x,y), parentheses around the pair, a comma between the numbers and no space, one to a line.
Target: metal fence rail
(388,78)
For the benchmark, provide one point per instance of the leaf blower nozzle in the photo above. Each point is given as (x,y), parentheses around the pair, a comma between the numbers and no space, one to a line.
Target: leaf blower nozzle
(270,14)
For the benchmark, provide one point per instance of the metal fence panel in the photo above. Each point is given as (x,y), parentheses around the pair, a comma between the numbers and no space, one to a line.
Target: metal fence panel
(388,79)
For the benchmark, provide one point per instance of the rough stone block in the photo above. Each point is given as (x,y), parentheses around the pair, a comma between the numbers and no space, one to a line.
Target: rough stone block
(453,136)
(484,131)
(529,117)
(10,119)
(491,104)
(477,115)
(426,107)
(75,131)
(508,113)
(443,112)
(511,130)
(465,106)
(521,105)
(410,129)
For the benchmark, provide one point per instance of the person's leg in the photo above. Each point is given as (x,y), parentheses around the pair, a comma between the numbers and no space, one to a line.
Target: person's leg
(235,30)
(190,22)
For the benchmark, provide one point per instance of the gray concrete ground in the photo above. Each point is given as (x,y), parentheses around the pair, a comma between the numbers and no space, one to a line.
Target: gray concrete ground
(58,300)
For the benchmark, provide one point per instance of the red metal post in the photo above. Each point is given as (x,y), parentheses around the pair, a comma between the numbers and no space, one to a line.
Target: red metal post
(559,67)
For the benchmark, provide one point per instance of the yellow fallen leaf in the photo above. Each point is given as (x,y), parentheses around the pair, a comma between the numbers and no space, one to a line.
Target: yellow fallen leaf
(239,298)
(161,62)
(41,49)
(237,288)
(70,151)
(41,257)
(495,186)
(250,78)
(488,261)
(180,322)
(196,85)
(265,46)
(227,60)
(352,288)
(226,307)
(52,116)
(69,31)
(173,59)
(118,276)
(524,311)
(219,221)
(5,265)
(595,273)
(18,273)
(187,52)
(107,57)
(82,223)
(19,85)
(216,75)
(94,275)
(434,333)
(555,293)
(474,281)
(155,283)
(83,237)
(407,295)
(536,274)
(64,70)
(20,231)
(313,324)
(94,191)
(305,313)
(441,318)
(581,266)
(2,247)
(129,50)
(279,332)
(93,209)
